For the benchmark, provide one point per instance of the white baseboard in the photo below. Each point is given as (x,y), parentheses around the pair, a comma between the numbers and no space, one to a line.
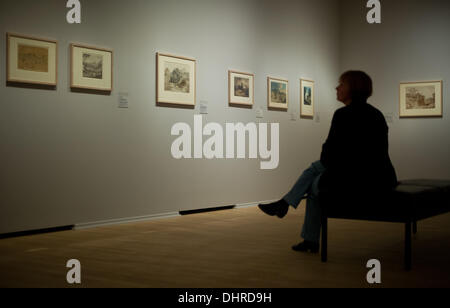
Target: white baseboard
(121,221)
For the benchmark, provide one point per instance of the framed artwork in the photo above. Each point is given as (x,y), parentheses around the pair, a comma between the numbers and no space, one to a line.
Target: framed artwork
(278,93)
(91,68)
(175,80)
(307,98)
(421,99)
(31,60)
(241,88)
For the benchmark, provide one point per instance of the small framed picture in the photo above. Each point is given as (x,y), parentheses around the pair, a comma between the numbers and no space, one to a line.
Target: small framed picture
(421,99)
(278,93)
(91,68)
(307,98)
(31,60)
(176,80)
(241,88)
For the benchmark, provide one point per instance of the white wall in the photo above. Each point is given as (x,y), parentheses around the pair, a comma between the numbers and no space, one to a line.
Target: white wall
(69,158)
(411,44)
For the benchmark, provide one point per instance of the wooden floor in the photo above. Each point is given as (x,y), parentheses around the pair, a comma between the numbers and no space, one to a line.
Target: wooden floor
(232,249)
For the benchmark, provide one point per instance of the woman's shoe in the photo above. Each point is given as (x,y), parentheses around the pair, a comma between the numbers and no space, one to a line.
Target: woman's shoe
(283,209)
(307,246)
(279,208)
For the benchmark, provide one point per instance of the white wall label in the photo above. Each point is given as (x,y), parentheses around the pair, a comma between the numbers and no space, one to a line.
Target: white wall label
(259,113)
(123,100)
(203,107)
(374,15)
(74,15)
(294,116)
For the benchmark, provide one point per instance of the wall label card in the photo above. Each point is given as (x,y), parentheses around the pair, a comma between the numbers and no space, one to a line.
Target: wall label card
(203,107)
(259,113)
(123,100)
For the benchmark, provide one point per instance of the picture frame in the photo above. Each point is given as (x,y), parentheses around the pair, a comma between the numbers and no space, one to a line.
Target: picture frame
(175,80)
(31,60)
(241,88)
(91,68)
(278,93)
(421,99)
(307,98)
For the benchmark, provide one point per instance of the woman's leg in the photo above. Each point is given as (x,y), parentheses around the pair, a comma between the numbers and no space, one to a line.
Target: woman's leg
(304,184)
(311,227)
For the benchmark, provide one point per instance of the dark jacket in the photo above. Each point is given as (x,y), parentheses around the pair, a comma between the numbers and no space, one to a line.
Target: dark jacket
(356,153)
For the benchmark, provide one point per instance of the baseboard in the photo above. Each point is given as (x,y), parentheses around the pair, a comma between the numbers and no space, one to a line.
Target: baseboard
(89,225)
(208,210)
(35,232)
(121,221)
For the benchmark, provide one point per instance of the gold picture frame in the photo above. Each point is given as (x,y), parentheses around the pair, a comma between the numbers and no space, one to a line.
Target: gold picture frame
(422,99)
(278,94)
(241,88)
(91,68)
(175,80)
(31,60)
(307,98)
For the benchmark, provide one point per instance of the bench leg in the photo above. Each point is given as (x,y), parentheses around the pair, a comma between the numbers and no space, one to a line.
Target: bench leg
(408,246)
(324,239)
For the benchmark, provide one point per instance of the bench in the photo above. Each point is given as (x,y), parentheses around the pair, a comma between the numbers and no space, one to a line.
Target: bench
(411,202)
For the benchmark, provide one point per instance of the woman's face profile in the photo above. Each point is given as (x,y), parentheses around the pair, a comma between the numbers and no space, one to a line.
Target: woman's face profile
(343,92)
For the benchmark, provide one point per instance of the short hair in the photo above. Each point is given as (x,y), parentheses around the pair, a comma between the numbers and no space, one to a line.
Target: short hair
(361,86)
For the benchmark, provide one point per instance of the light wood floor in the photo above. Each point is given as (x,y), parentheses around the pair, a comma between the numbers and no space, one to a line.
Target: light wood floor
(233,249)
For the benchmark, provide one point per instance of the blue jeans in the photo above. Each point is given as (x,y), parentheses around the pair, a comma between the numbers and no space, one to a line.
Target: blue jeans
(308,183)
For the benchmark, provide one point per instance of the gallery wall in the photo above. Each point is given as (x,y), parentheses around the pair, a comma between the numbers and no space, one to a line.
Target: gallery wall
(411,44)
(73,158)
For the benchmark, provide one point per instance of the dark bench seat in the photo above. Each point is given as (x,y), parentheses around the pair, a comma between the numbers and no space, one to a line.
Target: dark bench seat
(412,201)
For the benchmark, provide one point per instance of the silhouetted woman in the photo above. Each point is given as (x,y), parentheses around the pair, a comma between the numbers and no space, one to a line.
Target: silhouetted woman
(354,161)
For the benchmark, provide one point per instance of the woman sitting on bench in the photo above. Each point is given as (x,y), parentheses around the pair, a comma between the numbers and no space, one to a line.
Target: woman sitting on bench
(354,161)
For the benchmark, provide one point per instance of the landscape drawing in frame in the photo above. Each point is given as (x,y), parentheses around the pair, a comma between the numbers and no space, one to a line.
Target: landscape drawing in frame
(241,88)
(91,68)
(307,98)
(31,60)
(175,80)
(421,99)
(278,93)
